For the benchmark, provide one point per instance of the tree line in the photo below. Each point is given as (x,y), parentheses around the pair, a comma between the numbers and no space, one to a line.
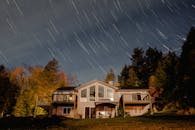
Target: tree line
(20,88)
(169,77)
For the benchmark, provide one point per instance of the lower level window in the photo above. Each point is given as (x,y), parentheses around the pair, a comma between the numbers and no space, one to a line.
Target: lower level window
(67,110)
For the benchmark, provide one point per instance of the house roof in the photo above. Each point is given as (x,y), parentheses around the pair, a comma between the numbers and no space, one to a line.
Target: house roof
(132,89)
(96,81)
(67,88)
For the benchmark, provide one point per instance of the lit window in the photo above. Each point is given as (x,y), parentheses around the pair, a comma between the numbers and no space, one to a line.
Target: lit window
(110,94)
(101,91)
(84,93)
(68,97)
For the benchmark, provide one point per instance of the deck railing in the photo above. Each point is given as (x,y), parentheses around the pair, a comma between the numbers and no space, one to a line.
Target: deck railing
(136,98)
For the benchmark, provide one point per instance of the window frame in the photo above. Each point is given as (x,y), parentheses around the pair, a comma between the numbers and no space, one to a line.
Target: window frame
(103,95)
(85,94)
(110,93)
(92,93)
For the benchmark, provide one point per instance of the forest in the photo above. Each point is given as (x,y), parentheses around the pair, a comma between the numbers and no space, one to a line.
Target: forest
(169,77)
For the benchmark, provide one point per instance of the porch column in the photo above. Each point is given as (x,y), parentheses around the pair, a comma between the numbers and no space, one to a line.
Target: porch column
(116,110)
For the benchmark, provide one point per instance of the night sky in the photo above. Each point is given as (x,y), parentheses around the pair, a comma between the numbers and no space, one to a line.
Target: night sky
(88,37)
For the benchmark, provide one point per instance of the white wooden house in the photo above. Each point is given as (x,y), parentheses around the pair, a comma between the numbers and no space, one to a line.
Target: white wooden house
(97,99)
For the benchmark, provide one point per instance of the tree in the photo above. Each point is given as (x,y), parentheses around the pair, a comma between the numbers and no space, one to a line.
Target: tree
(51,70)
(152,57)
(41,84)
(186,76)
(18,76)
(124,75)
(153,89)
(8,92)
(26,100)
(132,81)
(163,82)
(138,62)
(110,76)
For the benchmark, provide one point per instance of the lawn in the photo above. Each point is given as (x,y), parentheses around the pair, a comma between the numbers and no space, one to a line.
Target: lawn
(59,123)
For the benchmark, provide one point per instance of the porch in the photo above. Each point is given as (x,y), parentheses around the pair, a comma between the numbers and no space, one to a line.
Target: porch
(101,110)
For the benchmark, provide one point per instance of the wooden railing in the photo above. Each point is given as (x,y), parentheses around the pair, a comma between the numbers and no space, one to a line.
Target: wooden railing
(63,101)
(132,99)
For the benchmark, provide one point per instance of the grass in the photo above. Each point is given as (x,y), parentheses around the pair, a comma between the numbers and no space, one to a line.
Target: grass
(59,123)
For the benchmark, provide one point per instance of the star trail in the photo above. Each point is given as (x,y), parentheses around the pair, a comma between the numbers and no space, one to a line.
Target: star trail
(88,37)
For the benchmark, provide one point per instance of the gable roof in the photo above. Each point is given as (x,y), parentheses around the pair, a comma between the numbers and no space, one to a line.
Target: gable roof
(95,81)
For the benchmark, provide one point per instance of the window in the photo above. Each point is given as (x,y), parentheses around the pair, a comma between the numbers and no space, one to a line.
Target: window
(110,94)
(59,98)
(84,93)
(68,98)
(134,96)
(65,97)
(92,93)
(67,110)
(100,91)
(138,96)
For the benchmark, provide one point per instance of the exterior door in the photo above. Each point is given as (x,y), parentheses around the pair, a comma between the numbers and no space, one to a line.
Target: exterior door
(92,112)
(86,112)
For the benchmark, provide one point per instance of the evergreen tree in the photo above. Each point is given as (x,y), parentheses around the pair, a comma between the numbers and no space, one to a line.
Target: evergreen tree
(123,77)
(110,76)
(165,78)
(132,81)
(152,57)
(51,70)
(138,62)
(186,80)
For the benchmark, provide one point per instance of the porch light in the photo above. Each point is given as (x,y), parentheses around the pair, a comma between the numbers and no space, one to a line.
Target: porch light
(111,99)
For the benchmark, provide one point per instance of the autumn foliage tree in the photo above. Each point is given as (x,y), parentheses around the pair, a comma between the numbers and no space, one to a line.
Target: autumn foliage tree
(41,83)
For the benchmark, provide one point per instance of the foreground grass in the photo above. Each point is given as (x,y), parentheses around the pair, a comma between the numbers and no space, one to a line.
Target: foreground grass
(57,123)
